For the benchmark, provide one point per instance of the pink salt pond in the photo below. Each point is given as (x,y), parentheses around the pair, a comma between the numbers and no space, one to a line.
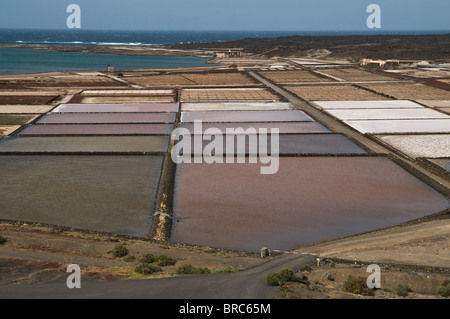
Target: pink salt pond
(97,129)
(116,108)
(310,199)
(105,118)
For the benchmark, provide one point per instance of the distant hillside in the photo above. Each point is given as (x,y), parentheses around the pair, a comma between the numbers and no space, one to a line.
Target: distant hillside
(421,47)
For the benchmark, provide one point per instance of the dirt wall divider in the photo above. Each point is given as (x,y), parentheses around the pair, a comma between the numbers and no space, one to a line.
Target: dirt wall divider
(162,219)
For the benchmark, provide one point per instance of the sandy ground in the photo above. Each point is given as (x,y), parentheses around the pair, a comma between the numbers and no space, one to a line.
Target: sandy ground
(424,243)
(326,282)
(417,255)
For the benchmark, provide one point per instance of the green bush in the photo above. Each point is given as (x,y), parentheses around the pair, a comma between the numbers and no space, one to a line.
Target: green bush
(444,289)
(402,290)
(146,268)
(161,260)
(187,269)
(2,240)
(164,260)
(306,268)
(287,274)
(147,258)
(273,279)
(120,251)
(357,285)
(281,277)
(224,270)
(129,259)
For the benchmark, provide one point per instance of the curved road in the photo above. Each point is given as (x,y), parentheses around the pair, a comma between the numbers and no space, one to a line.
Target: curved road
(248,284)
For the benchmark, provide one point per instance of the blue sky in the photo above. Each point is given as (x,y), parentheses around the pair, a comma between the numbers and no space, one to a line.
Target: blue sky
(242,15)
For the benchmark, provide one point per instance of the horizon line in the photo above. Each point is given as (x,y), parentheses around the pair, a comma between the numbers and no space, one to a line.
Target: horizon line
(196,30)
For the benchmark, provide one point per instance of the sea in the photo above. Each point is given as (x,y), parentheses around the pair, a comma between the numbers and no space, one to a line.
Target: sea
(24,60)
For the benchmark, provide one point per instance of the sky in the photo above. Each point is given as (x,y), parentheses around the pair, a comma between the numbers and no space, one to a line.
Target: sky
(227,15)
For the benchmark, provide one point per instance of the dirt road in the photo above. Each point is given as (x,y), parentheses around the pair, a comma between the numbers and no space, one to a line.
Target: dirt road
(249,284)
(34,259)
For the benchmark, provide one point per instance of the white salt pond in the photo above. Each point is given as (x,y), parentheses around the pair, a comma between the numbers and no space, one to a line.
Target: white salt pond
(401,126)
(385,104)
(387,114)
(431,146)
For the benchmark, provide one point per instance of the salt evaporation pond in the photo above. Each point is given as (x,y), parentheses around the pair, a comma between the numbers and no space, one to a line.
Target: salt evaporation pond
(116,108)
(245,116)
(77,144)
(290,144)
(283,128)
(112,194)
(114,118)
(310,199)
(97,129)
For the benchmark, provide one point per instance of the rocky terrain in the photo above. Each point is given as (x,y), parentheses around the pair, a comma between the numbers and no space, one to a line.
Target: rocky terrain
(423,47)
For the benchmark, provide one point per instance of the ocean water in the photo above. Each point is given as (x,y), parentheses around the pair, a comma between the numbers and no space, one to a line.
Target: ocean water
(81,36)
(21,60)
(90,37)
(18,61)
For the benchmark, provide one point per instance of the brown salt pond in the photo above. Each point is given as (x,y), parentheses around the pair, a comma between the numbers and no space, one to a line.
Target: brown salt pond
(112,194)
(25,109)
(205,107)
(8,129)
(7,119)
(98,129)
(25,99)
(310,199)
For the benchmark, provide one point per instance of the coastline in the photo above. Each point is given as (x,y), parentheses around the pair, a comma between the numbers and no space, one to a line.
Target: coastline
(352,47)
(156,50)
(38,59)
